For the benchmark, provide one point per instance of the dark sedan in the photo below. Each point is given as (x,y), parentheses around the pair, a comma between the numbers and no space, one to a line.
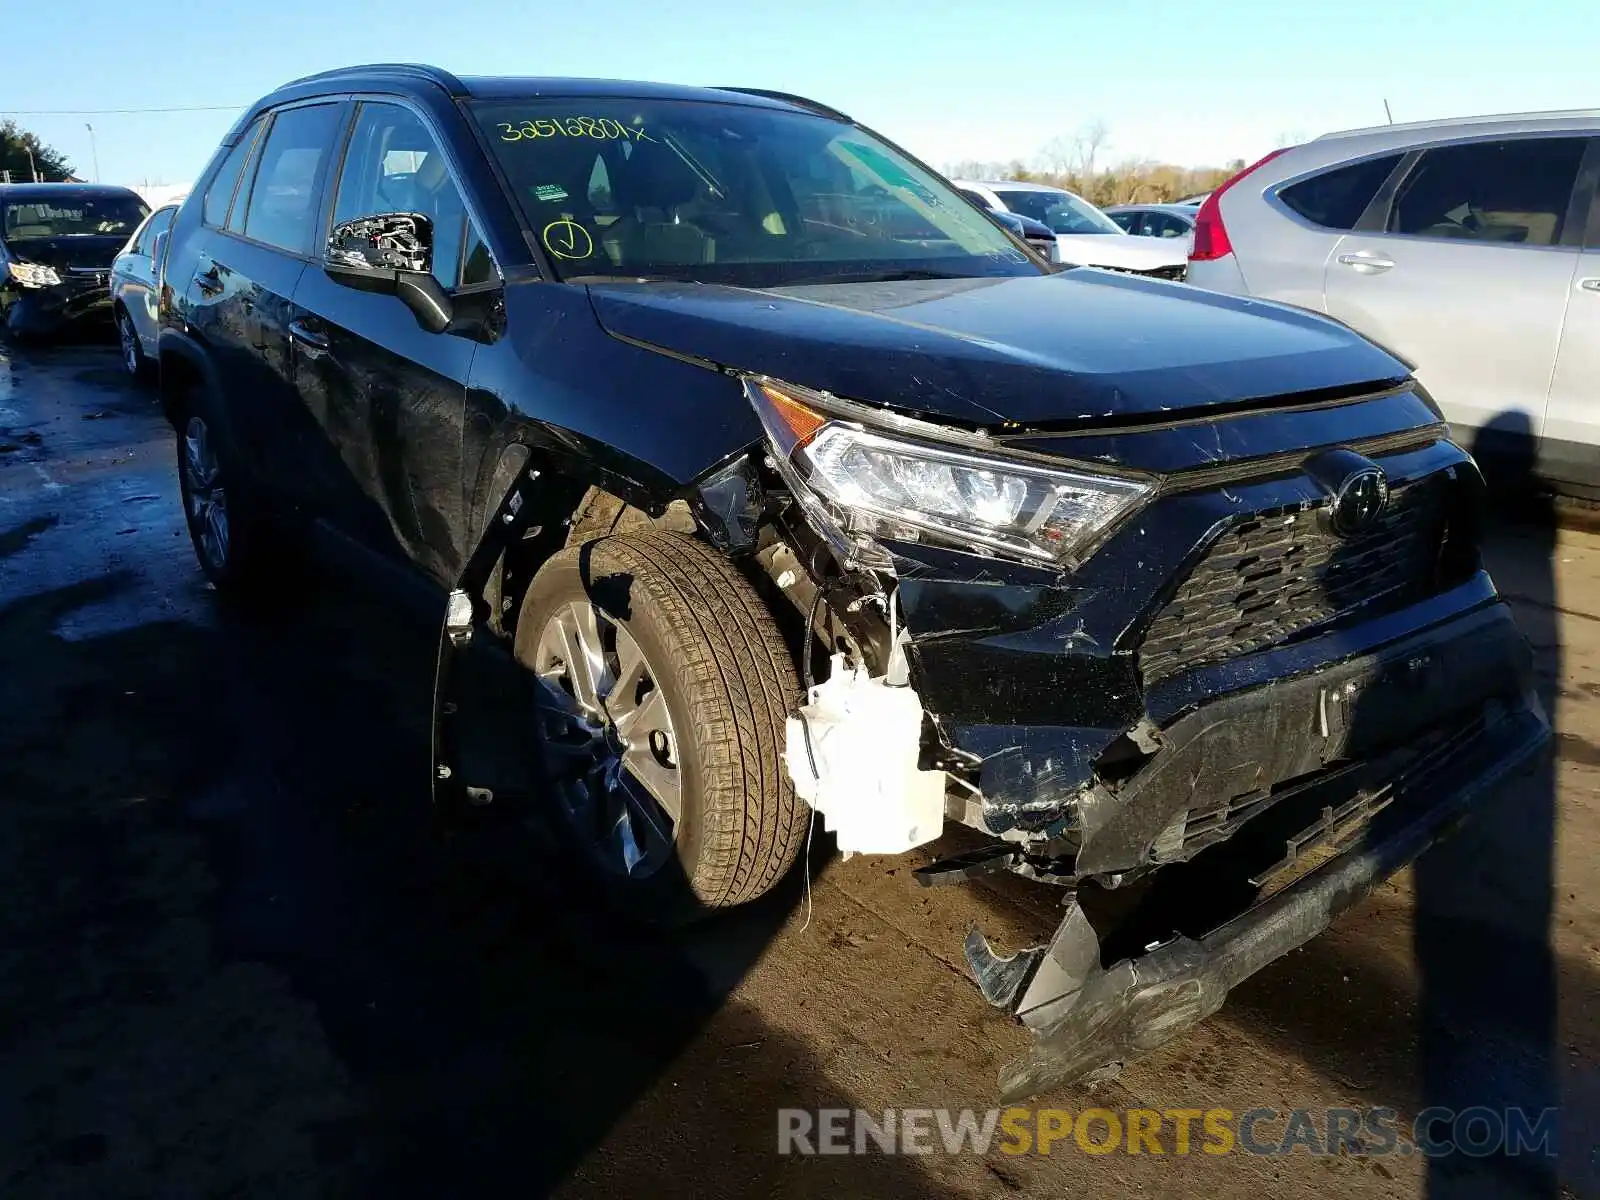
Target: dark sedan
(57,243)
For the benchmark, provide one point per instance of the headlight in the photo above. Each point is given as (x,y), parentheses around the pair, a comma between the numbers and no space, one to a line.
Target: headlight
(33,275)
(865,474)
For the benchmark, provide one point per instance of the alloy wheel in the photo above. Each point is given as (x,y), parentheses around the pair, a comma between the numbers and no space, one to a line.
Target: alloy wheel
(609,740)
(205,497)
(130,343)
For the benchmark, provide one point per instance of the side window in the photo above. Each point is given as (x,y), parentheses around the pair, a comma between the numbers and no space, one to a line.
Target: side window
(1126,220)
(283,197)
(1511,191)
(157,225)
(393,165)
(1336,199)
(220,194)
(1166,225)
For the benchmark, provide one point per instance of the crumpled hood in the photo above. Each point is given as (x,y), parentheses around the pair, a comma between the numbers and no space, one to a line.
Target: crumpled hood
(1055,350)
(1122,251)
(86,251)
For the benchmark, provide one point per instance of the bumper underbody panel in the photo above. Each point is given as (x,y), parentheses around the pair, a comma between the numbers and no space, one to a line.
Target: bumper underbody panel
(1089,1019)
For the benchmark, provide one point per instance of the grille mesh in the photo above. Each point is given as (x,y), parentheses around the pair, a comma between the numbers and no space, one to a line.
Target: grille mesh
(1273,577)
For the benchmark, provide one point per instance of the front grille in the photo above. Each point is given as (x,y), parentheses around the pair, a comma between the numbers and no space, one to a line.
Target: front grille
(1273,577)
(1178,271)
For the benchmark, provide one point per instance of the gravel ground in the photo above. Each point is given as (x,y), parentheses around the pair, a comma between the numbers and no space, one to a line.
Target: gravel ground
(240,957)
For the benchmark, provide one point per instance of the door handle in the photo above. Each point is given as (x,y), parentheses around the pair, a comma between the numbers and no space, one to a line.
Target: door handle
(1366,262)
(312,344)
(1589,285)
(209,281)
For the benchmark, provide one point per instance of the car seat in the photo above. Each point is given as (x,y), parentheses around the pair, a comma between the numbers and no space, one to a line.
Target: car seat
(651,185)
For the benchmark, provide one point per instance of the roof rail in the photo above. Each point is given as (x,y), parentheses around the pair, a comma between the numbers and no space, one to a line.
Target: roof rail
(436,75)
(1555,114)
(789,98)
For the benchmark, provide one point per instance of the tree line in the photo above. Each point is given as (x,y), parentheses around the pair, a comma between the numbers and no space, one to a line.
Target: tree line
(1078,163)
(26,159)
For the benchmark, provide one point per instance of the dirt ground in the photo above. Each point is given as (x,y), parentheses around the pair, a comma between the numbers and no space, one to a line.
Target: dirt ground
(240,957)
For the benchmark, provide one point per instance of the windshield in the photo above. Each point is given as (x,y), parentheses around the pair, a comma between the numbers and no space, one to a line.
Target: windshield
(725,193)
(72,214)
(1061,211)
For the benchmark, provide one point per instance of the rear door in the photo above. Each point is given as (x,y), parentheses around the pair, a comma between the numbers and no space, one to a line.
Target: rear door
(1466,275)
(242,284)
(1571,446)
(389,396)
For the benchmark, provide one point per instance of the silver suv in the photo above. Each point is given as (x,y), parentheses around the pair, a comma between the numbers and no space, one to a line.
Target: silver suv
(1469,247)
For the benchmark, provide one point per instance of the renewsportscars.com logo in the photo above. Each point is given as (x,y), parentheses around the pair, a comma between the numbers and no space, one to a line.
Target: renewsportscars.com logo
(1475,1132)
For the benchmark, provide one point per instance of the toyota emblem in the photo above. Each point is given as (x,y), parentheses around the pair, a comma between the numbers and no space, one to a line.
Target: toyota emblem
(1359,501)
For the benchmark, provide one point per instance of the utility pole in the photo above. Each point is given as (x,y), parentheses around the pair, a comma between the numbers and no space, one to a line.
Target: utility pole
(33,168)
(93,153)
(1386,111)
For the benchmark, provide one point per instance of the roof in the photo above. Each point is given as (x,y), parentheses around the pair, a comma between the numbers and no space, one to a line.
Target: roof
(1176,209)
(1551,119)
(1012,185)
(522,87)
(23,190)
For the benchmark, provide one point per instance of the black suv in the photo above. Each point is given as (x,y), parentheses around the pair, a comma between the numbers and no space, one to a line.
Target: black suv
(57,242)
(779,478)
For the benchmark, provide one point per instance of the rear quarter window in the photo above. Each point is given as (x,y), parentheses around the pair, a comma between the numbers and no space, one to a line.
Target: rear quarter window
(220,194)
(1336,199)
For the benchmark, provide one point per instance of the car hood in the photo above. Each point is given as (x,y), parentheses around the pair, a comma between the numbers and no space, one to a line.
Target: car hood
(1122,250)
(69,251)
(1041,350)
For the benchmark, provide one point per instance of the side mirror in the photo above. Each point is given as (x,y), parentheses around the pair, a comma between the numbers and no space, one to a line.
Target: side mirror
(392,254)
(385,242)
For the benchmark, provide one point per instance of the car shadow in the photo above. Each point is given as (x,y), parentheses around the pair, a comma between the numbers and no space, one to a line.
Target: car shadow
(1486,1024)
(246,956)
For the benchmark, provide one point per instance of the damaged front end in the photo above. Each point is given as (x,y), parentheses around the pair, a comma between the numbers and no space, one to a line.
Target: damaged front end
(1215,679)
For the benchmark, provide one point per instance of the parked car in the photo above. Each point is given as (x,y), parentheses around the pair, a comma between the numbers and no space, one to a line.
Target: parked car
(134,292)
(1036,233)
(1470,248)
(1154,220)
(1085,236)
(57,241)
(766,506)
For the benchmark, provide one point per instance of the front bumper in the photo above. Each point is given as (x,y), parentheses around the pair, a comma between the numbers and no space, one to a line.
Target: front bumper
(39,311)
(1088,1020)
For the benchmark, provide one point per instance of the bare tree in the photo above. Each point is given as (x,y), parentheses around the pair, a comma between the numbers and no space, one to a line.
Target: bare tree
(1090,140)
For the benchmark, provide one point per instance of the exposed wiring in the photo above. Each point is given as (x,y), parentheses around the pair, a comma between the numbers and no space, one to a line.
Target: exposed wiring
(805,677)
(805,732)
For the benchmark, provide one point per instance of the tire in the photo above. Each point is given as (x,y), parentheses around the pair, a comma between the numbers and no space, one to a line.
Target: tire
(134,359)
(728,683)
(244,557)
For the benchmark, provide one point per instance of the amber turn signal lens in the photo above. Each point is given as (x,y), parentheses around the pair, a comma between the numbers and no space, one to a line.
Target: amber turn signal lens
(800,421)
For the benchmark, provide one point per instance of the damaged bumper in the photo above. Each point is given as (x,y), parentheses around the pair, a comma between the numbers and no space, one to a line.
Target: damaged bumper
(1088,1020)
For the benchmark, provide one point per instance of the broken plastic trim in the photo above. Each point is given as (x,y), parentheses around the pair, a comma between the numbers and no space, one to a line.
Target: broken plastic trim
(1090,1020)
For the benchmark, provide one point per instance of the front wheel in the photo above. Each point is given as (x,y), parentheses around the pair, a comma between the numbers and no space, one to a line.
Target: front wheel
(662,686)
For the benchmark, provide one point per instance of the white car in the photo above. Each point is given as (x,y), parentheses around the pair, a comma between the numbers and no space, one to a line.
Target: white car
(1468,247)
(134,292)
(1085,236)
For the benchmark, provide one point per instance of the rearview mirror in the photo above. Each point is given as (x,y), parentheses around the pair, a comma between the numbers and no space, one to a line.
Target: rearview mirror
(391,253)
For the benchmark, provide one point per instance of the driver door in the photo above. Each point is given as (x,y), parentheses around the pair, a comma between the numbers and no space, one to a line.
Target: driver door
(390,396)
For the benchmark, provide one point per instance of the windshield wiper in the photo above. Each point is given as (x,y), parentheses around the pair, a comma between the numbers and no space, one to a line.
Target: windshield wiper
(878,277)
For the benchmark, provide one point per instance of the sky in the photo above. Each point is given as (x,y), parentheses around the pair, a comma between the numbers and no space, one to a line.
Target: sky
(1195,83)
